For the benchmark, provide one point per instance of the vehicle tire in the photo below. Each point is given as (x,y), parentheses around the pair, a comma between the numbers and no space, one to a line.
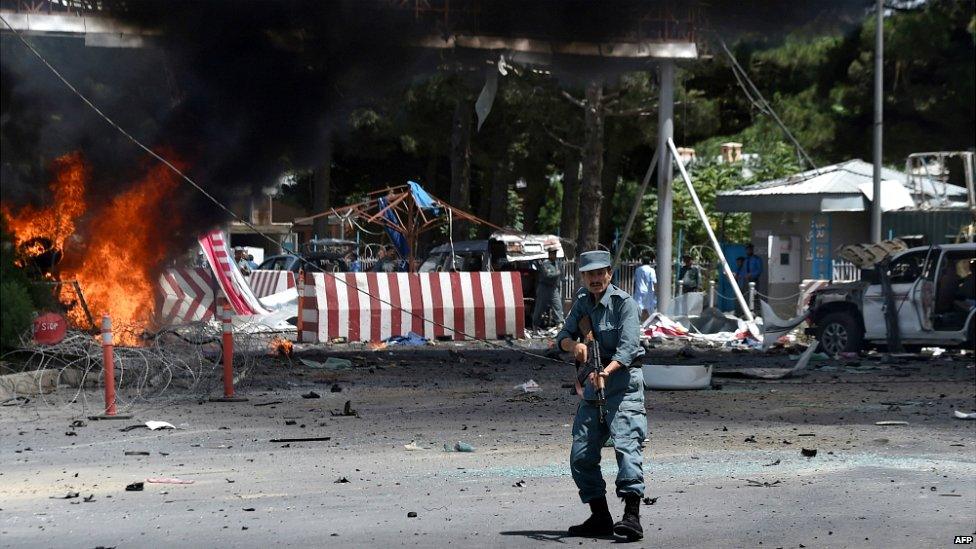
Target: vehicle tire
(838,333)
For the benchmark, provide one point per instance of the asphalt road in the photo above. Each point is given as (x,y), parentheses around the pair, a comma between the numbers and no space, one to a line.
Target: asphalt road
(724,466)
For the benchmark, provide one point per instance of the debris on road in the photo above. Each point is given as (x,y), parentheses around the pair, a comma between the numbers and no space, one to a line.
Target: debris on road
(331,363)
(884,423)
(802,363)
(529,386)
(526,397)
(459,447)
(346,411)
(412,514)
(136,453)
(341,480)
(962,415)
(650,501)
(311,394)
(134,487)
(301,439)
(777,462)
(808,452)
(168,480)
(519,484)
(69,495)
(410,339)
(756,483)
(154,425)
(413,446)
(269,403)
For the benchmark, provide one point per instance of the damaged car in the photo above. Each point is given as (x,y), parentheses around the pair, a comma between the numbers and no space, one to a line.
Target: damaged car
(933,293)
(500,252)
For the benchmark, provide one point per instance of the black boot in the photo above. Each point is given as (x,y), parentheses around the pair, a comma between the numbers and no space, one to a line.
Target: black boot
(629,527)
(600,523)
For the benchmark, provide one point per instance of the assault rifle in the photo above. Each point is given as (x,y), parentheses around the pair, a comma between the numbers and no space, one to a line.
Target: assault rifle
(594,363)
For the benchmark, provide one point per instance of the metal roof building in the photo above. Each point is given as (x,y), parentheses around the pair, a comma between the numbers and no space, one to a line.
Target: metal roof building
(843,187)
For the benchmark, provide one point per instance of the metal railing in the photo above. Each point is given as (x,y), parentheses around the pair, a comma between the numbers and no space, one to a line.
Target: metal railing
(845,271)
(623,279)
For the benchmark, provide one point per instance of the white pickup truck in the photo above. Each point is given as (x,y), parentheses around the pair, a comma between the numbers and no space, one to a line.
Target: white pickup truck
(933,290)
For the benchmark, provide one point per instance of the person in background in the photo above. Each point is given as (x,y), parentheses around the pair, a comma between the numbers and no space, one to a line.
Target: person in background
(645,284)
(385,260)
(753,265)
(352,262)
(548,297)
(380,259)
(689,275)
(241,261)
(740,273)
(249,258)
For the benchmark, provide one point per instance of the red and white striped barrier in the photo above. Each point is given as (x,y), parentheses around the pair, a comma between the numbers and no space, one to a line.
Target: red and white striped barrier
(185,295)
(486,305)
(265,283)
(229,277)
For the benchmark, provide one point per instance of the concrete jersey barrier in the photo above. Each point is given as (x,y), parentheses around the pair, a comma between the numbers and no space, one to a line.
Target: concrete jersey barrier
(185,295)
(264,283)
(486,305)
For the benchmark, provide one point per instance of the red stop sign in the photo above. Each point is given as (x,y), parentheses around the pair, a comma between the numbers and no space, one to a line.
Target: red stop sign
(49,328)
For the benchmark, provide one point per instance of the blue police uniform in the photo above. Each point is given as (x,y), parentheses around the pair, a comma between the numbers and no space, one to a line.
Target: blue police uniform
(616,327)
(547,295)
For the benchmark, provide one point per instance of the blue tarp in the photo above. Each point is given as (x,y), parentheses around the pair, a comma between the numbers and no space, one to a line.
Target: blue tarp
(399,241)
(424,200)
(409,339)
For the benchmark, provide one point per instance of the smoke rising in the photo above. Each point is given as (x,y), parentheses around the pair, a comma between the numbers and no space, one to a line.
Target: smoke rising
(244,91)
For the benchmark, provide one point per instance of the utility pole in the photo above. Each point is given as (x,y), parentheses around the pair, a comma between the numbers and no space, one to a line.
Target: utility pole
(878,117)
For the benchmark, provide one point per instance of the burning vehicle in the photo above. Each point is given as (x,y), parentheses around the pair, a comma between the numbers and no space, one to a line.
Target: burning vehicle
(933,292)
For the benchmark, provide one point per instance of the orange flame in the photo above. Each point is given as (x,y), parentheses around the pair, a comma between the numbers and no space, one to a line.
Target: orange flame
(57,221)
(125,247)
(123,244)
(281,347)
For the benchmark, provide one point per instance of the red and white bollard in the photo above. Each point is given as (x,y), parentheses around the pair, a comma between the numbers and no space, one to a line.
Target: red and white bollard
(108,359)
(108,370)
(228,356)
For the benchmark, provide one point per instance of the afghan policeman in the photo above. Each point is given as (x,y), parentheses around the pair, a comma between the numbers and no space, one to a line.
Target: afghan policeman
(548,298)
(613,315)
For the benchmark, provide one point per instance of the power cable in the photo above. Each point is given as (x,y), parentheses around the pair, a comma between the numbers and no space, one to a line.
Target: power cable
(761,103)
(240,219)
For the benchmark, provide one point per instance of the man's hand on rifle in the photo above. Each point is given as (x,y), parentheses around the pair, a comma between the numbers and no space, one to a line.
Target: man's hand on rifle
(580,353)
(611,368)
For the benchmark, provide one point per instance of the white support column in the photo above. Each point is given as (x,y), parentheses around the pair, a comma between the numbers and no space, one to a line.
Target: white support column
(665,196)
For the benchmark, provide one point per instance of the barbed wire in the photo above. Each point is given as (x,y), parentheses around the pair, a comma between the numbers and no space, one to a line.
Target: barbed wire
(177,363)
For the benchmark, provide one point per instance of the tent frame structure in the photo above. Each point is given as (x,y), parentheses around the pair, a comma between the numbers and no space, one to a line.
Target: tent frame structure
(397,209)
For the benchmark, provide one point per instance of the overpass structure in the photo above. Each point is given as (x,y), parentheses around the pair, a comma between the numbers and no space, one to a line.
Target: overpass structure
(647,36)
